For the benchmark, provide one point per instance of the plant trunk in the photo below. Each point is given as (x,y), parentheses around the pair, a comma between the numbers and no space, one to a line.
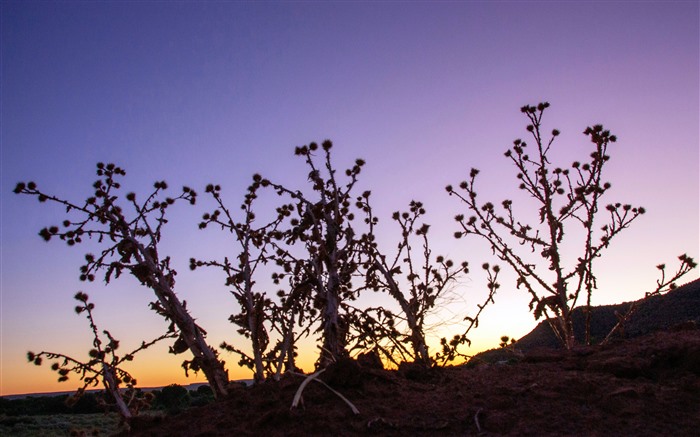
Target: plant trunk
(420,348)
(565,318)
(254,315)
(332,331)
(259,374)
(418,342)
(254,326)
(110,382)
(286,355)
(203,354)
(151,274)
(289,352)
(566,330)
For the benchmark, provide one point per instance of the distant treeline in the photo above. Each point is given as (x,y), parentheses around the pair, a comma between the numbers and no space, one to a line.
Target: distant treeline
(172,399)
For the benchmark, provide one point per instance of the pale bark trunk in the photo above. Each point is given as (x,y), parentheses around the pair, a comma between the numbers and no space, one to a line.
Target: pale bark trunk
(162,285)
(211,366)
(203,354)
(110,382)
(332,332)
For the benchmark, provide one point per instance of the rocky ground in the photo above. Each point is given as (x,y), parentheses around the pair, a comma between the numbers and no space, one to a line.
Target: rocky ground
(648,385)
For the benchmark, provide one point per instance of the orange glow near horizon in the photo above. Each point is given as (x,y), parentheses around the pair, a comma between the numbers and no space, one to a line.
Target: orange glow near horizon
(150,371)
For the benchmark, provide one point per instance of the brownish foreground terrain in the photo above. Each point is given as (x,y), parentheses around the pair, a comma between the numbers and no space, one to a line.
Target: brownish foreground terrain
(649,385)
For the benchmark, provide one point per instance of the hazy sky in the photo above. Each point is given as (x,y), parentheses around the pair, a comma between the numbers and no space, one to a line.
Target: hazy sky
(214,91)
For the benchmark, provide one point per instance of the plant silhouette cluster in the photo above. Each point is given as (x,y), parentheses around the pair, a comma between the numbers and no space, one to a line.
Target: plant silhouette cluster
(323,243)
(320,248)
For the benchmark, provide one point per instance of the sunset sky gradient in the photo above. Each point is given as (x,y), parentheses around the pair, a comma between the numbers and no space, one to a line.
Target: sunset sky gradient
(199,92)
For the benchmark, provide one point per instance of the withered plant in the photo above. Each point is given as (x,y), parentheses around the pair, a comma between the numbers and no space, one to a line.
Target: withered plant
(130,242)
(450,348)
(104,365)
(320,249)
(254,250)
(564,196)
(412,277)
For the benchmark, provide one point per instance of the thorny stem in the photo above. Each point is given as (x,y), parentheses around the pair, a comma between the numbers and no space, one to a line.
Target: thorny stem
(663,286)
(100,367)
(580,195)
(128,252)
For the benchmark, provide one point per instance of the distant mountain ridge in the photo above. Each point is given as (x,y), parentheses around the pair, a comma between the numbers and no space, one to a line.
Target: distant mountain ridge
(190,387)
(656,313)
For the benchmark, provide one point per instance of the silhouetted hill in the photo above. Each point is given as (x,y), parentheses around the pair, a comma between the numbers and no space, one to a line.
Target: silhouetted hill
(657,313)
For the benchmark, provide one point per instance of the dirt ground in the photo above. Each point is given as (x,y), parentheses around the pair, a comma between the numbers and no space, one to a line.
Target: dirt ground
(644,386)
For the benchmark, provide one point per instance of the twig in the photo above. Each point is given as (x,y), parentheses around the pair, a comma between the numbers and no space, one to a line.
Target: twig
(300,390)
(313,377)
(476,419)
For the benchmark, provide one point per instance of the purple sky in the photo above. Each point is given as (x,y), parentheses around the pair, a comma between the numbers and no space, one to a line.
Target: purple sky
(212,92)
